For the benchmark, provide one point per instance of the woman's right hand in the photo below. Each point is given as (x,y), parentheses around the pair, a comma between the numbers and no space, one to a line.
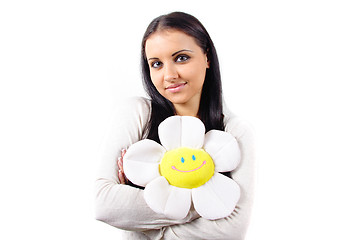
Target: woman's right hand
(122,177)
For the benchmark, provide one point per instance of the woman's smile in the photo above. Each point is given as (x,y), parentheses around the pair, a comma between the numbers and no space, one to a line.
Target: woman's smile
(176,87)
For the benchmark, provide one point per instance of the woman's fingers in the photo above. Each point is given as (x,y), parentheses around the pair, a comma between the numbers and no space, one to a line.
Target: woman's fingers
(122,177)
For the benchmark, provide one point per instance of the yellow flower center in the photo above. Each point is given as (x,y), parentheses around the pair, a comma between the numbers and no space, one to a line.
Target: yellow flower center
(187,167)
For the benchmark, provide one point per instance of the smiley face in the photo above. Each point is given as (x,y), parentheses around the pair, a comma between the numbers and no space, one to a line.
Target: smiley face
(186,167)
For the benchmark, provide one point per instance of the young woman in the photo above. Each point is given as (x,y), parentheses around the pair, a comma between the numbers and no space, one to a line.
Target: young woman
(181,76)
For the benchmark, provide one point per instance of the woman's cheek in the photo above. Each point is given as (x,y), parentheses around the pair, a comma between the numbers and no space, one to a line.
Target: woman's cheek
(155,80)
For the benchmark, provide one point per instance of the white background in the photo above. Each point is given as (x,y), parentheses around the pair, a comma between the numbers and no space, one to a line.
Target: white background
(291,68)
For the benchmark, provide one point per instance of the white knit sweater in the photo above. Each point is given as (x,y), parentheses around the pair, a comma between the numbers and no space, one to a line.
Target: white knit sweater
(123,206)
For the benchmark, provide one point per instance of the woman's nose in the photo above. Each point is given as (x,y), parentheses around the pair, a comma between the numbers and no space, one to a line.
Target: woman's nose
(170,73)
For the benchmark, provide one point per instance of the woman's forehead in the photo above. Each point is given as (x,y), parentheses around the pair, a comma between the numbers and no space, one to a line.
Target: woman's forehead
(169,41)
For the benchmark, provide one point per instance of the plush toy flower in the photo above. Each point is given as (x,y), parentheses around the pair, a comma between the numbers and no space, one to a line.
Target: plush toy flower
(186,168)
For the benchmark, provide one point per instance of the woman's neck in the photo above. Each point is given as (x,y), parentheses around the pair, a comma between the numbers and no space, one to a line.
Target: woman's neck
(187,109)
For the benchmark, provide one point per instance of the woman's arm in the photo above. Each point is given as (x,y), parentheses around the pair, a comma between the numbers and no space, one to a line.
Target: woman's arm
(235,225)
(121,205)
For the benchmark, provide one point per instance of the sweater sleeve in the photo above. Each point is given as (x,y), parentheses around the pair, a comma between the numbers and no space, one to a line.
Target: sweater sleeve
(235,225)
(123,206)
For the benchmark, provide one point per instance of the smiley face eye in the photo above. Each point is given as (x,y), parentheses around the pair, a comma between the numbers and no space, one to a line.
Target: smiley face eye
(193,157)
(182,160)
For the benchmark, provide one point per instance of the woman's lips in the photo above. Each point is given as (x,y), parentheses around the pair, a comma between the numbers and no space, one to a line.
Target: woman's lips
(175,87)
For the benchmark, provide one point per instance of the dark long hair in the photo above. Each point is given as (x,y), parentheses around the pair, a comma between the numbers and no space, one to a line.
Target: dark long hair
(210,109)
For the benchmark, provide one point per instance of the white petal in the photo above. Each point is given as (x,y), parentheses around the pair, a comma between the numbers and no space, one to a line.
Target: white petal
(193,132)
(166,199)
(170,132)
(217,198)
(181,131)
(141,161)
(223,149)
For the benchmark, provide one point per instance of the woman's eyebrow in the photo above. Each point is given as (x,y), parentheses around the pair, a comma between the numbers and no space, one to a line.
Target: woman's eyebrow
(183,50)
(152,58)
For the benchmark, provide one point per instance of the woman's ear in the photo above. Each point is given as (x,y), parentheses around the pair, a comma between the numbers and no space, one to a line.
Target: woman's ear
(207,59)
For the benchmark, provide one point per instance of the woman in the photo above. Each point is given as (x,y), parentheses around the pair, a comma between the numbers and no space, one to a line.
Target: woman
(181,76)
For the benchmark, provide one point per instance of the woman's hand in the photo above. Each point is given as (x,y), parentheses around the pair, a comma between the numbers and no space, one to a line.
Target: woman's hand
(122,177)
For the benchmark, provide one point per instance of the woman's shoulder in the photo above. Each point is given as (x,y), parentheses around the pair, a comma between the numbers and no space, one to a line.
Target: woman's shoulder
(132,113)
(137,103)
(236,125)
(133,107)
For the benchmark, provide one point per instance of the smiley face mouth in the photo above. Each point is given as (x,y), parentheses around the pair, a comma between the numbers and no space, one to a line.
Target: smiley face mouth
(173,167)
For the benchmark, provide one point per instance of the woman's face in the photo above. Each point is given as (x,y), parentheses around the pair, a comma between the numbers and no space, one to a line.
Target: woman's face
(177,67)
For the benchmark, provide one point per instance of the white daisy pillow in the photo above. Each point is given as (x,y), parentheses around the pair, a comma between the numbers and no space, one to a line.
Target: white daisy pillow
(185,169)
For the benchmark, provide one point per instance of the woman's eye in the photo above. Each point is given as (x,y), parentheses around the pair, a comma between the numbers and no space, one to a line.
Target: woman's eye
(182,58)
(156,64)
